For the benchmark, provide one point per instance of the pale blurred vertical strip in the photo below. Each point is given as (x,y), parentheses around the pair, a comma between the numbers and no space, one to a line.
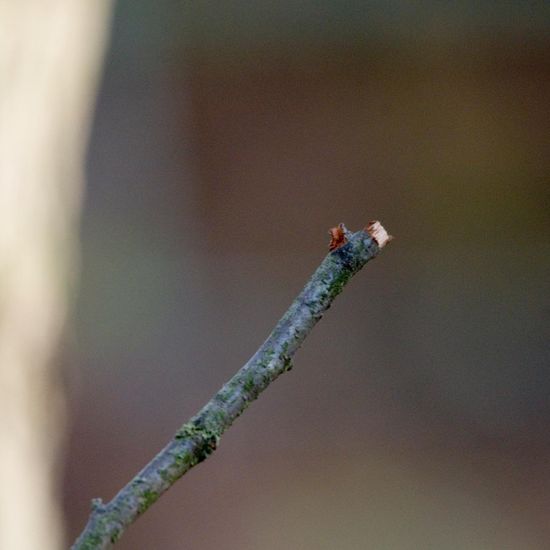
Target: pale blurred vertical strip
(50,56)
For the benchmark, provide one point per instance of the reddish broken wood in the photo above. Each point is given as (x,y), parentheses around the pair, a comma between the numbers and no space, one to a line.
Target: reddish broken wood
(337,237)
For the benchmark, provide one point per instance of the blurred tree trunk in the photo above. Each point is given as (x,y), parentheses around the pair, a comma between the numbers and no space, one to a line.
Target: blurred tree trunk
(50,53)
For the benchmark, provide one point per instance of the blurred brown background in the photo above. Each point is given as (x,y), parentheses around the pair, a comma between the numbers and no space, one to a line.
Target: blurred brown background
(228,138)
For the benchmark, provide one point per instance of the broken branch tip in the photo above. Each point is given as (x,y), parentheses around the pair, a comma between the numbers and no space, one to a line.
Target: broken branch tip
(378,233)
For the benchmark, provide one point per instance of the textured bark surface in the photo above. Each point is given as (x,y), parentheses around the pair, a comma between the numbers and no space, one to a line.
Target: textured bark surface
(50,54)
(199,437)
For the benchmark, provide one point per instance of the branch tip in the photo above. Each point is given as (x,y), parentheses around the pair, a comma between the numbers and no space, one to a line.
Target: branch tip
(378,233)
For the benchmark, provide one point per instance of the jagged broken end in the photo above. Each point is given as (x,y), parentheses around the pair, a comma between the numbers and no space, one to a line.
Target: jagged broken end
(376,230)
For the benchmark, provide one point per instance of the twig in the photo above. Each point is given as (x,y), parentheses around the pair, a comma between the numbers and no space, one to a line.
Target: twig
(199,437)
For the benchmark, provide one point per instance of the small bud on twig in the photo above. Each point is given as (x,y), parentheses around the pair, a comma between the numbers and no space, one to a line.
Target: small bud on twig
(337,237)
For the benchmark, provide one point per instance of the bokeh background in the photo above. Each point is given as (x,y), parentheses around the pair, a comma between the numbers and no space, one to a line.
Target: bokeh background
(228,137)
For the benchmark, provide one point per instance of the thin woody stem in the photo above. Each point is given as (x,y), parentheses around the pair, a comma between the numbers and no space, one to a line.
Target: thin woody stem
(199,437)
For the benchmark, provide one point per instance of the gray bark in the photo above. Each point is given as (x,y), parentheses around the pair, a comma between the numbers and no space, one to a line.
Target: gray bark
(199,437)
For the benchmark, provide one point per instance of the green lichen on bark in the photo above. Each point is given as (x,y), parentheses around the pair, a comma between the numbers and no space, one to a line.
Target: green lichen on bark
(146,499)
(199,437)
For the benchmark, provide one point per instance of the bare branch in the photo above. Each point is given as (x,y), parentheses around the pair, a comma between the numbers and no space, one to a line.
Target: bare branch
(199,437)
